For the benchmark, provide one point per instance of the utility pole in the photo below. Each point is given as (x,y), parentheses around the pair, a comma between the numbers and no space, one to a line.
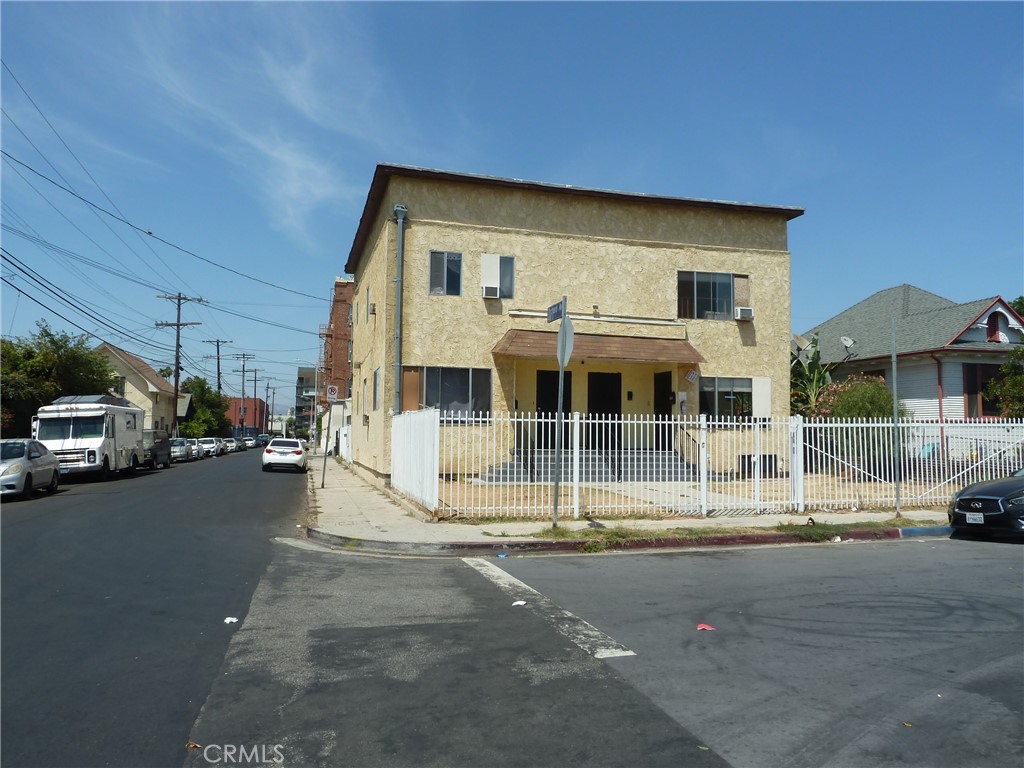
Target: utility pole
(255,410)
(218,342)
(266,415)
(243,357)
(178,299)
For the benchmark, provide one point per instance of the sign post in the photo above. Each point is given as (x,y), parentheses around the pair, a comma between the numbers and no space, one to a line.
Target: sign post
(564,353)
(332,398)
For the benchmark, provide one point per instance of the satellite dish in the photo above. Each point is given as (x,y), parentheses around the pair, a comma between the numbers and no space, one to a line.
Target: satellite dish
(801,342)
(847,341)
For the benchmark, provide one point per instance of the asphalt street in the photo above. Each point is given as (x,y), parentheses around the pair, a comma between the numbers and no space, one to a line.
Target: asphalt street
(116,651)
(114,598)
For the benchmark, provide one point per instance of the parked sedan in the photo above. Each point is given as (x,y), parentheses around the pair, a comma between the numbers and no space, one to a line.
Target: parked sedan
(197,449)
(181,450)
(990,507)
(249,442)
(230,446)
(26,465)
(209,445)
(281,452)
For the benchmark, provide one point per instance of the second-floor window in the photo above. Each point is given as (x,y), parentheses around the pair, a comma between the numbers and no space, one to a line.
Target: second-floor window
(445,273)
(707,295)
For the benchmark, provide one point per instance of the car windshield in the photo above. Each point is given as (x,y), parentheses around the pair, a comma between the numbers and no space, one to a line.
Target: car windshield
(12,450)
(177,441)
(77,426)
(284,444)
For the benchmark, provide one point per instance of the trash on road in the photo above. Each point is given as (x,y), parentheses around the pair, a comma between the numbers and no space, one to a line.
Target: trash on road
(503,554)
(519,602)
(230,620)
(705,626)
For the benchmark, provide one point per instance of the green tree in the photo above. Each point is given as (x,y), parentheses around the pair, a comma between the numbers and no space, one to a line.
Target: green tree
(808,379)
(1018,305)
(1007,389)
(37,370)
(209,418)
(165,372)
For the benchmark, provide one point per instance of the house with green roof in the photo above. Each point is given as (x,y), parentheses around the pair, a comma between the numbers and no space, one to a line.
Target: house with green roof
(946,353)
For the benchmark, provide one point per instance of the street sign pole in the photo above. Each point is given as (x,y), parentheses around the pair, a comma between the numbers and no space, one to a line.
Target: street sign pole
(564,352)
(332,397)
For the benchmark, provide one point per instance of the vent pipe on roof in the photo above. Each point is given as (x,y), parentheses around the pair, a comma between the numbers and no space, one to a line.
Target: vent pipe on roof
(400,214)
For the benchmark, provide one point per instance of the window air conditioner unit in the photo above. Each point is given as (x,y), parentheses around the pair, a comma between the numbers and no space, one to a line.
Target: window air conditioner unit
(489,291)
(744,313)
(373,309)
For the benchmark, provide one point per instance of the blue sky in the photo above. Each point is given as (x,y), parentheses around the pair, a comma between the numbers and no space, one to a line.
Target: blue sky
(244,137)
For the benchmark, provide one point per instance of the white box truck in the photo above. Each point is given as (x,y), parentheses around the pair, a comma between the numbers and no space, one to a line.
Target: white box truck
(91,434)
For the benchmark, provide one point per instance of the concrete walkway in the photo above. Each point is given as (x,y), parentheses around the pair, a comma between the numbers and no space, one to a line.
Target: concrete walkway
(349,513)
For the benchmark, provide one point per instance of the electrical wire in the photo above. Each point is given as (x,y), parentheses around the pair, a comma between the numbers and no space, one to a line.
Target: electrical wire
(156,237)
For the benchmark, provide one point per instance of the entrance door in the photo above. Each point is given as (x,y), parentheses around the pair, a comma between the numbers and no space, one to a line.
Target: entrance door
(547,405)
(604,407)
(662,410)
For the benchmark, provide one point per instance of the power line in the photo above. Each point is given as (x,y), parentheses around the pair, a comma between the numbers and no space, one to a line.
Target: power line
(156,237)
(86,170)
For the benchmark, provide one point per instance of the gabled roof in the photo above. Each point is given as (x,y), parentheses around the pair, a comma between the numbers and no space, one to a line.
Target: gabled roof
(384,172)
(156,382)
(924,323)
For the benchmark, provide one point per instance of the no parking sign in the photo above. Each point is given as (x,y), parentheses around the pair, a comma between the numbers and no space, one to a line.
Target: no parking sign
(332,393)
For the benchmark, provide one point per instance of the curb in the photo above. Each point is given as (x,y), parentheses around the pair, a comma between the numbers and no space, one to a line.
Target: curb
(579,546)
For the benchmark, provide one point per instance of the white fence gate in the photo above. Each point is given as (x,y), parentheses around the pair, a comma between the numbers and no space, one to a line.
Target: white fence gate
(414,452)
(502,464)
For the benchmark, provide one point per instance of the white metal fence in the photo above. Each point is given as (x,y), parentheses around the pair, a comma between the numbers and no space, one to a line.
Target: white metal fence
(503,464)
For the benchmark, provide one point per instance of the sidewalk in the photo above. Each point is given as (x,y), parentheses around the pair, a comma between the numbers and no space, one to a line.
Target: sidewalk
(351,514)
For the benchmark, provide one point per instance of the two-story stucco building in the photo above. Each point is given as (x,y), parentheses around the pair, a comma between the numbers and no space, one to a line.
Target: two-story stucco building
(679,305)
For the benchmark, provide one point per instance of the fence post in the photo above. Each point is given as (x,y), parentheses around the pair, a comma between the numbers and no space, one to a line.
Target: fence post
(702,464)
(796,461)
(576,465)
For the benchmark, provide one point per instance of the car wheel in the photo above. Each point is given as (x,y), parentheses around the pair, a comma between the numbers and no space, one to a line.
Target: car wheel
(105,471)
(266,468)
(28,490)
(54,482)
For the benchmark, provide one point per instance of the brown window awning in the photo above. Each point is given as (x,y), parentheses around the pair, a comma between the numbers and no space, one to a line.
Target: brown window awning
(592,346)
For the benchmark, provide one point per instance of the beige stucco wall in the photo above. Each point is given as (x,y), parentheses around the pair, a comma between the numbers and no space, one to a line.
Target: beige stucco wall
(138,392)
(622,256)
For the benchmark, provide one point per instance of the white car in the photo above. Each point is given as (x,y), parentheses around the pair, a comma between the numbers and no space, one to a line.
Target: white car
(286,453)
(26,465)
(250,442)
(209,446)
(230,446)
(197,449)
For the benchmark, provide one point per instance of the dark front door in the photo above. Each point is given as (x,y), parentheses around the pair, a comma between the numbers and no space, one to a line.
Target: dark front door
(662,410)
(547,405)
(604,407)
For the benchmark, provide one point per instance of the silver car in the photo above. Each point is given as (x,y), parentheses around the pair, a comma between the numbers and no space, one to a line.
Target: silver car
(26,465)
(181,450)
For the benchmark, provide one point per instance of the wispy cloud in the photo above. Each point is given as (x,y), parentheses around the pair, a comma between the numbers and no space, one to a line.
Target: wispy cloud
(266,107)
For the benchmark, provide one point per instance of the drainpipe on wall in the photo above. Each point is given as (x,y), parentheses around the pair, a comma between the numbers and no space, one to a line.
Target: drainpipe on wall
(400,213)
